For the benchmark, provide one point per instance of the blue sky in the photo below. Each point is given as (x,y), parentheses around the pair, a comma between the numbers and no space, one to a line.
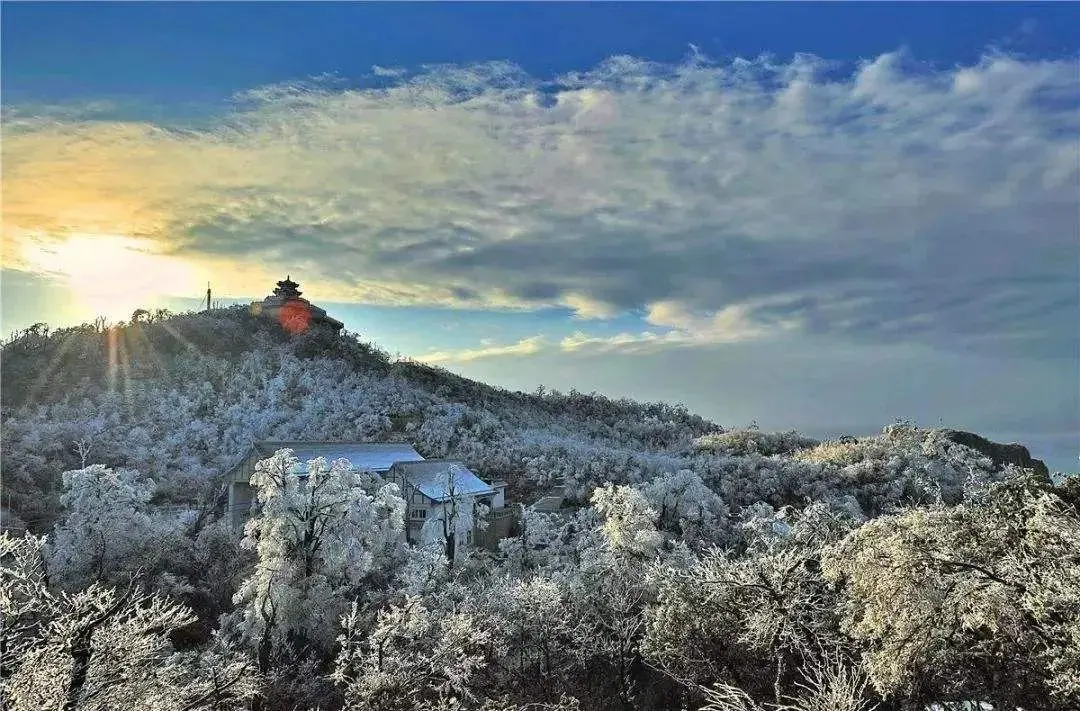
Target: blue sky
(820,216)
(175,52)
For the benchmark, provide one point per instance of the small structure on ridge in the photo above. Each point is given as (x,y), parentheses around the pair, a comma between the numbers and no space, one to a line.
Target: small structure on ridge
(295,313)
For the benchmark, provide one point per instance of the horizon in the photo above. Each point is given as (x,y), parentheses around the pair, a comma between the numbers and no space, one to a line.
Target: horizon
(393,356)
(816,217)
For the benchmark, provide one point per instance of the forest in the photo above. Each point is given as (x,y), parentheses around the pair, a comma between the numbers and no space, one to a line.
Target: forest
(692,566)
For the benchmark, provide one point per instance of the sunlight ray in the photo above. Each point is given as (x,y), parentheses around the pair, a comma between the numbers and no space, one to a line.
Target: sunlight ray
(50,369)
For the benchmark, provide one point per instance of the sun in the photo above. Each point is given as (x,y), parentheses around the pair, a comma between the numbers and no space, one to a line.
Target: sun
(112,275)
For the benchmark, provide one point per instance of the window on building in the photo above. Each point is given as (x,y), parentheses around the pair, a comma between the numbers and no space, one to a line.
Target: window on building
(419,513)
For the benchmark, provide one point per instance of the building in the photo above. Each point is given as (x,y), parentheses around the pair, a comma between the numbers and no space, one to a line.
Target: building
(434,488)
(377,457)
(294,313)
(431,487)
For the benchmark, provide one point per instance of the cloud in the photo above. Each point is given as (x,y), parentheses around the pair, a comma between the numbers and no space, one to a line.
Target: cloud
(677,327)
(734,323)
(680,327)
(626,342)
(392,72)
(882,202)
(526,346)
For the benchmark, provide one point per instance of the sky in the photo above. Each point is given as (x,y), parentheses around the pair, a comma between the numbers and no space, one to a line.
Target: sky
(824,217)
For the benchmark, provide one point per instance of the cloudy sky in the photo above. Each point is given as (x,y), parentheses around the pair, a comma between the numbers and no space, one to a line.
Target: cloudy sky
(821,217)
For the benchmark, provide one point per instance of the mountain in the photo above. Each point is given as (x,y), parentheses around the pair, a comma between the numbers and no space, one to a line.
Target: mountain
(691,565)
(180,397)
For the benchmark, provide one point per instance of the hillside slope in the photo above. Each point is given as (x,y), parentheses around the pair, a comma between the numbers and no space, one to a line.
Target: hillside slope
(179,398)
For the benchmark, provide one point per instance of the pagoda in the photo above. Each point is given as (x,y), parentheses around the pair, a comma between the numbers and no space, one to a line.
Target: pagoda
(295,313)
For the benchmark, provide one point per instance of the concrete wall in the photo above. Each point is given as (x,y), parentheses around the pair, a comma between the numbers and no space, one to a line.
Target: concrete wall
(240,497)
(241,493)
(499,500)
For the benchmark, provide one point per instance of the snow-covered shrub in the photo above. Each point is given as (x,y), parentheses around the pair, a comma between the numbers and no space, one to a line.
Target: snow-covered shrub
(753,441)
(413,657)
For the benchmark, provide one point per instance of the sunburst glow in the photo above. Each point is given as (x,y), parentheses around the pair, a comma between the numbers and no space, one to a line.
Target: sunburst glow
(112,275)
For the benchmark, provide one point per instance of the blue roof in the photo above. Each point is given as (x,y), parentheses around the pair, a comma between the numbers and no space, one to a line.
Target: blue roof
(376,456)
(433,477)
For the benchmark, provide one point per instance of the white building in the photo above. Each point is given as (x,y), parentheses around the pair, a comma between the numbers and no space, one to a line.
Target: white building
(444,490)
(432,488)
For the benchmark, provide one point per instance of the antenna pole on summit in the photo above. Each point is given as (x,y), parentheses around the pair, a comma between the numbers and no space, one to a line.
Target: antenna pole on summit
(207,296)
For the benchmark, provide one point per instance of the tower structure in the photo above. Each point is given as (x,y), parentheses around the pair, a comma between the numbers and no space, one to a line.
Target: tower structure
(295,313)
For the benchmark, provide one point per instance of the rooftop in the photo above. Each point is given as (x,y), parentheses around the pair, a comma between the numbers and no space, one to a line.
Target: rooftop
(435,478)
(295,313)
(376,456)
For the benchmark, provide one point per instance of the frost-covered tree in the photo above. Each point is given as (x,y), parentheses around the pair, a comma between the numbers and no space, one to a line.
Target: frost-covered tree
(448,524)
(103,648)
(904,464)
(685,506)
(753,440)
(424,571)
(826,683)
(316,538)
(629,522)
(108,532)
(608,591)
(414,657)
(754,618)
(564,703)
(532,548)
(213,565)
(975,602)
(534,646)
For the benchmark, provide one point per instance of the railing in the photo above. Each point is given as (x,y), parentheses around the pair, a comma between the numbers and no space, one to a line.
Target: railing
(498,514)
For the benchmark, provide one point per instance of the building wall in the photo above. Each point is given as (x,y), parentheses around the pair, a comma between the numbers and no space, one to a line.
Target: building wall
(240,497)
(417,512)
(500,524)
(241,493)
